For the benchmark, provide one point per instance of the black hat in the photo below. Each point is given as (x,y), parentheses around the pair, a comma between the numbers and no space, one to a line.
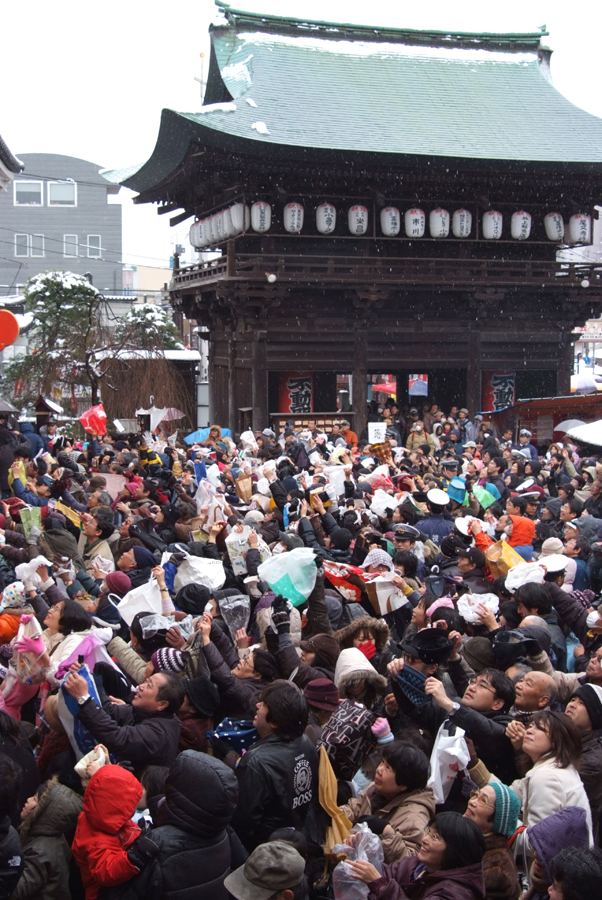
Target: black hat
(475,555)
(203,694)
(292,541)
(591,697)
(406,532)
(193,599)
(430,645)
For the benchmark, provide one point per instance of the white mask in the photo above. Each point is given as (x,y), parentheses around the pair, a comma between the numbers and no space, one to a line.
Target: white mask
(593,619)
(279,548)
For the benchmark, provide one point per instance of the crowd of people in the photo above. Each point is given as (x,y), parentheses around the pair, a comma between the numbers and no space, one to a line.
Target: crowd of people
(410,708)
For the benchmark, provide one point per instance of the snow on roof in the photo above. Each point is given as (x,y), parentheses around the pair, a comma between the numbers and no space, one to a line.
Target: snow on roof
(54,406)
(24,319)
(588,434)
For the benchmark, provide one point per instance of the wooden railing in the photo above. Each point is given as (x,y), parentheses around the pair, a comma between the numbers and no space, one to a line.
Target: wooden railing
(300,269)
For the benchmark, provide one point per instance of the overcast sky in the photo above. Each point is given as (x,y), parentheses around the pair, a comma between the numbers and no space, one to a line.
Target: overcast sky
(90,79)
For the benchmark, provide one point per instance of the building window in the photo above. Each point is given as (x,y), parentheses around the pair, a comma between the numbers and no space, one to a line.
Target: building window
(94,246)
(28,193)
(21,245)
(37,244)
(62,193)
(70,245)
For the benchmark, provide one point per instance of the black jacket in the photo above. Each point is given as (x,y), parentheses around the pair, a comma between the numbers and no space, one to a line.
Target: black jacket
(486,730)
(132,735)
(238,696)
(278,786)
(11,858)
(197,848)
(308,536)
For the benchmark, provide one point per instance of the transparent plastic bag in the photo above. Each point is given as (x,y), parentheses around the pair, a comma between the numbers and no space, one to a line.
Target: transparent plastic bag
(366,845)
(236,612)
(153,624)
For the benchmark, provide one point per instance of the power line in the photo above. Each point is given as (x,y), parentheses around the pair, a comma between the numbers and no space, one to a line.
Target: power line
(105,250)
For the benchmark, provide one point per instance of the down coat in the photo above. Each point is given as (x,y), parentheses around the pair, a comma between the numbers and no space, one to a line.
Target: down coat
(197,848)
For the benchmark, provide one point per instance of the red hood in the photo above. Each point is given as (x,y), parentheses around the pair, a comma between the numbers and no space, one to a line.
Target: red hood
(111,799)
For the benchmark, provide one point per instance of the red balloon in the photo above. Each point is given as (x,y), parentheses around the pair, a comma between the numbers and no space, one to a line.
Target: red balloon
(9,328)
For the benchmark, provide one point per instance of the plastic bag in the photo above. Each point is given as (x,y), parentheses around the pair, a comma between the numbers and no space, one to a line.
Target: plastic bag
(238,546)
(28,666)
(291,574)
(501,558)
(450,755)
(145,598)
(153,624)
(94,419)
(366,846)
(468,606)
(196,570)
(236,612)
(204,494)
(247,439)
(381,502)
(79,737)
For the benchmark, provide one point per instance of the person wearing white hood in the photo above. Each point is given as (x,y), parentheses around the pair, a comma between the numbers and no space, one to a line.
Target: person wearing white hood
(357,679)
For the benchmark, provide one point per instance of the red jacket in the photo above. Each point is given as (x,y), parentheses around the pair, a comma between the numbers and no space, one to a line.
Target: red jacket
(105,830)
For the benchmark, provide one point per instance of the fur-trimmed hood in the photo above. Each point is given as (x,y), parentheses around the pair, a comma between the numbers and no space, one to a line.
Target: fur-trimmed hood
(352,666)
(55,813)
(378,627)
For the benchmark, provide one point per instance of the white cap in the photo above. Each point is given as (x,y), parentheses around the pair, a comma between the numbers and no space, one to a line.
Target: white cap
(555,563)
(439,498)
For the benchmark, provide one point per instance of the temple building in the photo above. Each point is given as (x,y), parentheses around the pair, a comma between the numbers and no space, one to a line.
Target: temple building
(383,201)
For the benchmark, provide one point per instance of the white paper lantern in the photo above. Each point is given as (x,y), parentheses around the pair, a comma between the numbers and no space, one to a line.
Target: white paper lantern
(326,218)
(261,216)
(390,221)
(415,222)
(241,217)
(439,223)
(357,219)
(520,225)
(211,229)
(580,229)
(192,234)
(228,224)
(219,225)
(493,222)
(293,217)
(198,234)
(462,223)
(554,225)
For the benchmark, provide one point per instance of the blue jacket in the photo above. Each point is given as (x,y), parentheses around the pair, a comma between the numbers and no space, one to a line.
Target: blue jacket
(34,440)
(436,528)
(23,494)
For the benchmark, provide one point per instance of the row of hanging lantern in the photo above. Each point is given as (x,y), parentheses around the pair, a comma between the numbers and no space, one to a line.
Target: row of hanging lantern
(238,218)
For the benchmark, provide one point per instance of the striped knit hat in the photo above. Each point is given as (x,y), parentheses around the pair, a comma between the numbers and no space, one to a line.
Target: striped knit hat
(507,808)
(168,659)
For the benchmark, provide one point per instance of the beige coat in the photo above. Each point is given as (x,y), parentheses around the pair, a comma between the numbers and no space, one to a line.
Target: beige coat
(407,814)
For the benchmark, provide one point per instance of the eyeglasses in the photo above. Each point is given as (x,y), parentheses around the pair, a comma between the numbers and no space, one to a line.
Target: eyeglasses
(432,835)
(481,684)
(476,795)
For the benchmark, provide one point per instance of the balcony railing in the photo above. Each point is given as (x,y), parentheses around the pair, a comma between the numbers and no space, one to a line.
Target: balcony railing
(353,270)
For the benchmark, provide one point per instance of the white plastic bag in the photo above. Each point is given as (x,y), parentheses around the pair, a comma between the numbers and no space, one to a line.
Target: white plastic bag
(292,574)
(247,439)
(196,570)
(468,605)
(204,494)
(146,598)
(381,502)
(28,667)
(450,755)
(336,476)
(238,546)
(213,475)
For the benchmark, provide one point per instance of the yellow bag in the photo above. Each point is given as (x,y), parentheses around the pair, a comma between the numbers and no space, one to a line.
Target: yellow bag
(501,558)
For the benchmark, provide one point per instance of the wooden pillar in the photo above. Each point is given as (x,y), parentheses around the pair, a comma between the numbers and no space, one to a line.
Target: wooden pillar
(358,383)
(565,369)
(259,384)
(212,383)
(232,410)
(473,373)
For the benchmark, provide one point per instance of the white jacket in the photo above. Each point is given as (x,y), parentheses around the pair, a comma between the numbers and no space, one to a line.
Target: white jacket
(546,789)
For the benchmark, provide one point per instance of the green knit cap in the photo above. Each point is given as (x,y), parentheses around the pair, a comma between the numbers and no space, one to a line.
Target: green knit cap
(507,808)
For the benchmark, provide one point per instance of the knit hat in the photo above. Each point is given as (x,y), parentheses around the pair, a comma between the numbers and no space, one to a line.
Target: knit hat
(323,693)
(203,694)
(591,697)
(378,558)
(193,599)
(13,596)
(565,828)
(507,809)
(167,659)
(478,653)
(325,646)
(340,538)
(144,558)
(118,583)
(132,487)
(551,545)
